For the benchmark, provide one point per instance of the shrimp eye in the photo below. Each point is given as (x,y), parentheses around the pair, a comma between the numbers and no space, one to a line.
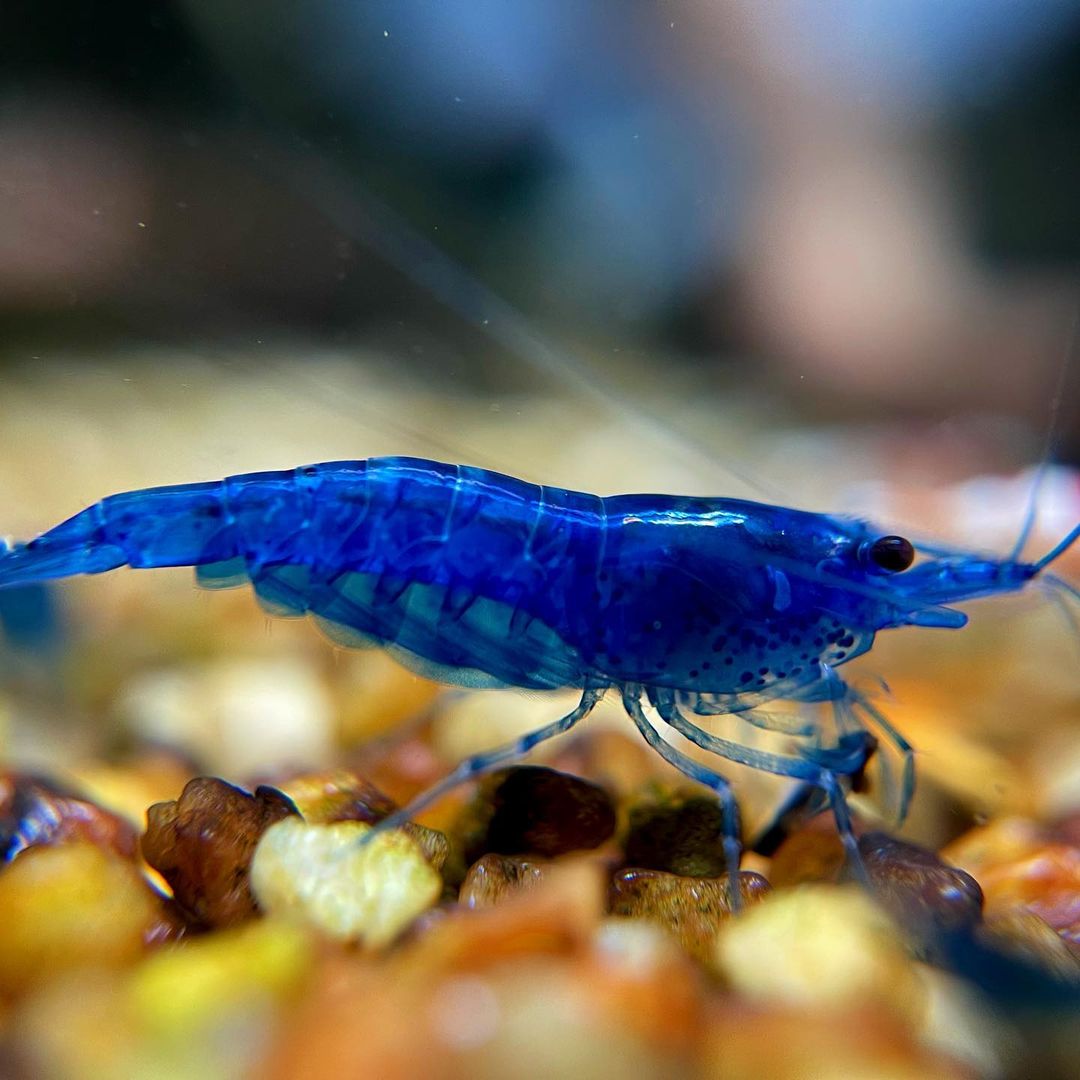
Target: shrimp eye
(891,554)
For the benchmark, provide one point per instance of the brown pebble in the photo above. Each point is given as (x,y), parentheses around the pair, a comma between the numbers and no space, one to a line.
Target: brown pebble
(620,762)
(691,908)
(202,844)
(534,810)
(677,833)
(35,811)
(918,888)
(493,877)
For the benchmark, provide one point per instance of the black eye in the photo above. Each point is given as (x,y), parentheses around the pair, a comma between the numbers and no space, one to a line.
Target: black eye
(891,553)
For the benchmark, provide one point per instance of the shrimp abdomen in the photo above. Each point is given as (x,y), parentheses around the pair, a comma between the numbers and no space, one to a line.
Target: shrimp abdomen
(467,574)
(436,562)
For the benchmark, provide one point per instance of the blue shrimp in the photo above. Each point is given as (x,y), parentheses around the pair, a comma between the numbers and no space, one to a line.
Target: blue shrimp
(707,606)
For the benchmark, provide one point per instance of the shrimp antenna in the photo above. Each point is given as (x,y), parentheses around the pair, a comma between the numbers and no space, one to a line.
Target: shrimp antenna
(1063,586)
(1058,549)
(1053,430)
(1060,593)
(361,215)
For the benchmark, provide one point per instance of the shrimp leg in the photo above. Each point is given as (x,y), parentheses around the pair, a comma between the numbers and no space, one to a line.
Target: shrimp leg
(479,764)
(695,771)
(899,743)
(842,761)
(781,724)
(848,703)
(847,758)
(842,816)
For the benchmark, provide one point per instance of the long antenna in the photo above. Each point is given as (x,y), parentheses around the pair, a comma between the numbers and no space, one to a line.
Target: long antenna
(1052,433)
(362,216)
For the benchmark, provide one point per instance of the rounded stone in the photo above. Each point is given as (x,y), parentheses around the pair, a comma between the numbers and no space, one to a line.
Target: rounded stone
(534,810)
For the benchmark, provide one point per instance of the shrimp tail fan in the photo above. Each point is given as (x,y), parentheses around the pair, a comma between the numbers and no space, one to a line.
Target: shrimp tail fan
(60,553)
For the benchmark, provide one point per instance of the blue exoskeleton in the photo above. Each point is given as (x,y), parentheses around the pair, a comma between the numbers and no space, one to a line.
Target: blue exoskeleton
(696,606)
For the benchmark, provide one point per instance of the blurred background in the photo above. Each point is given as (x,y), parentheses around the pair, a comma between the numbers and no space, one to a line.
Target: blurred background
(822,253)
(867,210)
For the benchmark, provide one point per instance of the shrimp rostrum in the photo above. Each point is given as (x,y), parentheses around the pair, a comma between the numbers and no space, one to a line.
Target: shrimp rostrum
(691,606)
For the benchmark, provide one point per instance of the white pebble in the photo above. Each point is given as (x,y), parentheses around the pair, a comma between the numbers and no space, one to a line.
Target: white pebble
(324,876)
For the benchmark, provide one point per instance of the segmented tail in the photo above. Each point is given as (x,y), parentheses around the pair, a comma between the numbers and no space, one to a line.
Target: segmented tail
(180,525)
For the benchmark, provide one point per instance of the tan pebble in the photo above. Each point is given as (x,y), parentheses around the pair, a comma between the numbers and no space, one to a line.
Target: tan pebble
(204,1009)
(541,1018)
(338,795)
(1002,840)
(1033,941)
(354,1020)
(646,982)
(130,788)
(961,1023)
(493,877)
(818,945)
(323,875)
(68,907)
(1056,774)
(520,1015)
(858,1040)
(634,947)
(557,916)
(76,1026)
(179,990)
(960,763)
(1023,868)
(692,909)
